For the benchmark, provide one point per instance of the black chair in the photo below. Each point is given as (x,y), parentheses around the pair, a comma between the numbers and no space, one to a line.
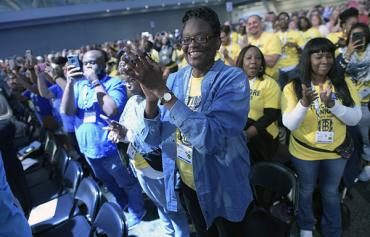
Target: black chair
(275,190)
(110,221)
(71,180)
(88,199)
(51,187)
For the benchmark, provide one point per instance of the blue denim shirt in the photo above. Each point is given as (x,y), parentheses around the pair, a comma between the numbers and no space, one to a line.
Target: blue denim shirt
(220,156)
(92,139)
(12,221)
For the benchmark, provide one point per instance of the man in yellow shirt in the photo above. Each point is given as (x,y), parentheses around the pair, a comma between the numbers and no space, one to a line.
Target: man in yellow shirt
(348,18)
(292,43)
(229,50)
(267,42)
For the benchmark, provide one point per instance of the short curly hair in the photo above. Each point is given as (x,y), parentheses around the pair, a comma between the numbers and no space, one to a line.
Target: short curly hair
(207,14)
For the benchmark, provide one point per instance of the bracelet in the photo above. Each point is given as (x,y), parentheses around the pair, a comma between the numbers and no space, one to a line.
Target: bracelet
(95,83)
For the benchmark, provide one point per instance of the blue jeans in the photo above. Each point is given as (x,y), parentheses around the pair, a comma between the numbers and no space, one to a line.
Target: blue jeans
(175,223)
(120,182)
(329,172)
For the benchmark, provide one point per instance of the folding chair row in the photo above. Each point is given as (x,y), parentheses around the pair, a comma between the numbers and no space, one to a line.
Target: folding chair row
(81,217)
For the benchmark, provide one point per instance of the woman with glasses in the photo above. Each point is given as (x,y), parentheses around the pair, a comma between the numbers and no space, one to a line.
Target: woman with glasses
(261,129)
(317,108)
(199,127)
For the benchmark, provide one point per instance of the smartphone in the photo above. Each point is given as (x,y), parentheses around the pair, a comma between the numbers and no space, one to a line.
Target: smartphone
(105,118)
(358,36)
(111,122)
(28,54)
(73,60)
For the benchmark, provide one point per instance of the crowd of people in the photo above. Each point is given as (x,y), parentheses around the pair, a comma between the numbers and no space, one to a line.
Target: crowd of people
(197,108)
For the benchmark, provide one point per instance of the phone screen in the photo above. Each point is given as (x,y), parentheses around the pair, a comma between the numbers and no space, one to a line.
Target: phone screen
(358,36)
(73,60)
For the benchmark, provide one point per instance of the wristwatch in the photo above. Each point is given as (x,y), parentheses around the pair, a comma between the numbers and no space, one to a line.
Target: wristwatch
(167,97)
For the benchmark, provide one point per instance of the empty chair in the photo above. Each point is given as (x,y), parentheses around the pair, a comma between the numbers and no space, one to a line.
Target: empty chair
(110,221)
(88,199)
(275,192)
(63,204)
(52,186)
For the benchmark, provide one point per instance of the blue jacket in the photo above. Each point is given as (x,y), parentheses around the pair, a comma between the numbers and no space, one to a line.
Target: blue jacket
(220,156)
(12,220)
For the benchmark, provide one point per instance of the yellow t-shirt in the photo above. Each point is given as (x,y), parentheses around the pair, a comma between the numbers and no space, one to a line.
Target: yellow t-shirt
(264,94)
(185,168)
(290,56)
(234,37)
(335,36)
(175,57)
(269,44)
(325,121)
(154,55)
(233,50)
(311,33)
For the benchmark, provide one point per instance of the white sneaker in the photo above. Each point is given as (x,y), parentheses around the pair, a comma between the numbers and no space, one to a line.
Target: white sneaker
(364,176)
(306,233)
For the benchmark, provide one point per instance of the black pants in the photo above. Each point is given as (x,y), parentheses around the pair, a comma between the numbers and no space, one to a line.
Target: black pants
(220,227)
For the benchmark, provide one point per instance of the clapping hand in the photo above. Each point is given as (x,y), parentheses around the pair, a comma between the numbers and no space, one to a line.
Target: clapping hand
(308,96)
(326,95)
(149,74)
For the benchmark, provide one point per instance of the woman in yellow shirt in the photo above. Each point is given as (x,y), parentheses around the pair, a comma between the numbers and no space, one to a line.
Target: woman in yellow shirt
(261,128)
(308,32)
(317,107)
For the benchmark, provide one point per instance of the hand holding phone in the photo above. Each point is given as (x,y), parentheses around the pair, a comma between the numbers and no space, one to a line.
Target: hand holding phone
(112,123)
(74,61)
(358,39)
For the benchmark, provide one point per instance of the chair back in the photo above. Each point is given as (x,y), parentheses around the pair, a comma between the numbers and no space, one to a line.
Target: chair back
(72,176)
(110,220)
(88,193)
(275,177)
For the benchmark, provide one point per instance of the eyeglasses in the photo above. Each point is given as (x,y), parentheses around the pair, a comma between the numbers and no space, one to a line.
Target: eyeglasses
(199,39)
(92,62)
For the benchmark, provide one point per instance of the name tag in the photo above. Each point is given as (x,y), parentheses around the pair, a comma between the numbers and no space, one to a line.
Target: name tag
(324,137)
(185,153)
(89,117)
(131,151)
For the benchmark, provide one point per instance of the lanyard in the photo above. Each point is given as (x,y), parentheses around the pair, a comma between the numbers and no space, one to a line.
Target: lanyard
(252,81)
(283,38)
(187,92)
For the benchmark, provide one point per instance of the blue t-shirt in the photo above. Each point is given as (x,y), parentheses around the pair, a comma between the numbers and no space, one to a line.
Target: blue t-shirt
(42,105)
(92,139)
(66,120)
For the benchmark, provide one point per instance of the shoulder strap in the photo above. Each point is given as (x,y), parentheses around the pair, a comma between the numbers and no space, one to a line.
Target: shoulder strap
(312,148)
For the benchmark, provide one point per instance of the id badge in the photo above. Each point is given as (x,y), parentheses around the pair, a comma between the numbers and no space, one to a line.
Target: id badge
(185,153)
(90,117)
(131,152)
(324,137)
